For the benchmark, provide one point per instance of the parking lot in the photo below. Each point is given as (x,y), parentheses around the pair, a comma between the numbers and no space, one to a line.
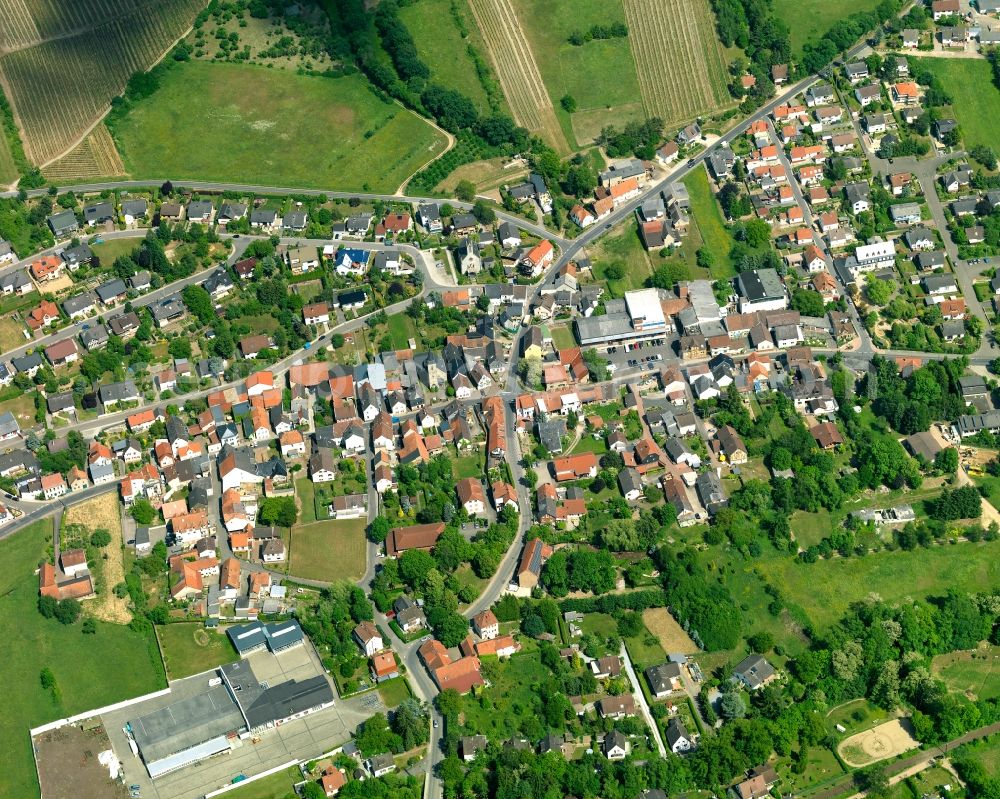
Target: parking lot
(297,740)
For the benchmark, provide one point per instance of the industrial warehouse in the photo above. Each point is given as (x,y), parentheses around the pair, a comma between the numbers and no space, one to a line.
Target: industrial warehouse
(243,701)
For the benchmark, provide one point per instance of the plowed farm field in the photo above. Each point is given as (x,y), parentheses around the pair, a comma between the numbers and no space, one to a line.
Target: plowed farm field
(61,63)
(679,60)
(517,70)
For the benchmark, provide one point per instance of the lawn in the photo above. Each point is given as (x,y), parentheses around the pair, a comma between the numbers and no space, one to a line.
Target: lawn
(929,782)
(8,169)
(811,528)
(808,20)
(562,336)
(15,302)
(467,578)
(603,95)
(276,786)
(468,466)
(394,691)
(306,492)
(90,670)
(708,217)
(821,765)
(825,589)
(622,248)
(278,128)
(11,334)
(441,47)
(599,624)
(22,407)
(588,443)
(329,550)
(645,650)
(974,673)
(400,325)
(191,649)
(111,249)
(976,99)
(855,716)
(987,752)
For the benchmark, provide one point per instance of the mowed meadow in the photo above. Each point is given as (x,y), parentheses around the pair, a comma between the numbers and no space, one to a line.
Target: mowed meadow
(90,670)
(247,124)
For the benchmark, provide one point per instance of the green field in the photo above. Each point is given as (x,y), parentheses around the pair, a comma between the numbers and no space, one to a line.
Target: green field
(440,45)
(707,216)
(622,247)
(510,699)
(825,589)
(306,493)
(600,75)
(191,649)
(976,99)
(562,337)
(855,716)
(90,670)
(809,20)
(246,124)
(329,550)
(987,752)
(109,250)
(401,329)
(468,466)
(975,673)
(276,786)
(811,528)
(8,169)
(645,650)
(749,591)
(394,691)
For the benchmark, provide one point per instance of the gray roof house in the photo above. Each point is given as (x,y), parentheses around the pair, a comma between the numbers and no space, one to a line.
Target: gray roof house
(80,305)
(754,672)
(95,337)
(135,208)
(167,310)
(63,223)
(113,291)
(98,212)
(200,211)
(112,394)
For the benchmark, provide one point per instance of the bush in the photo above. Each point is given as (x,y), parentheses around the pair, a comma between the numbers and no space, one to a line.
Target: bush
(100,538)
(67,611)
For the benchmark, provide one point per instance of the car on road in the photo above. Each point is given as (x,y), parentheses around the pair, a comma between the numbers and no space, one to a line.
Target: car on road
(435,724)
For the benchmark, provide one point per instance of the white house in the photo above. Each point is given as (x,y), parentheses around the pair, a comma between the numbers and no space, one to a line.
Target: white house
(486,625)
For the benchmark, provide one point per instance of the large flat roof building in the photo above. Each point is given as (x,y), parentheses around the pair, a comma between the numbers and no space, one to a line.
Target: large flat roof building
(187,731)
(213,721)
(265,706)
(639,316)
(275,637)
(761,290)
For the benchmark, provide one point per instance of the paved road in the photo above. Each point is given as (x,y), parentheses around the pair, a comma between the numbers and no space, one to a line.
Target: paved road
(33,511)
(250,188)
